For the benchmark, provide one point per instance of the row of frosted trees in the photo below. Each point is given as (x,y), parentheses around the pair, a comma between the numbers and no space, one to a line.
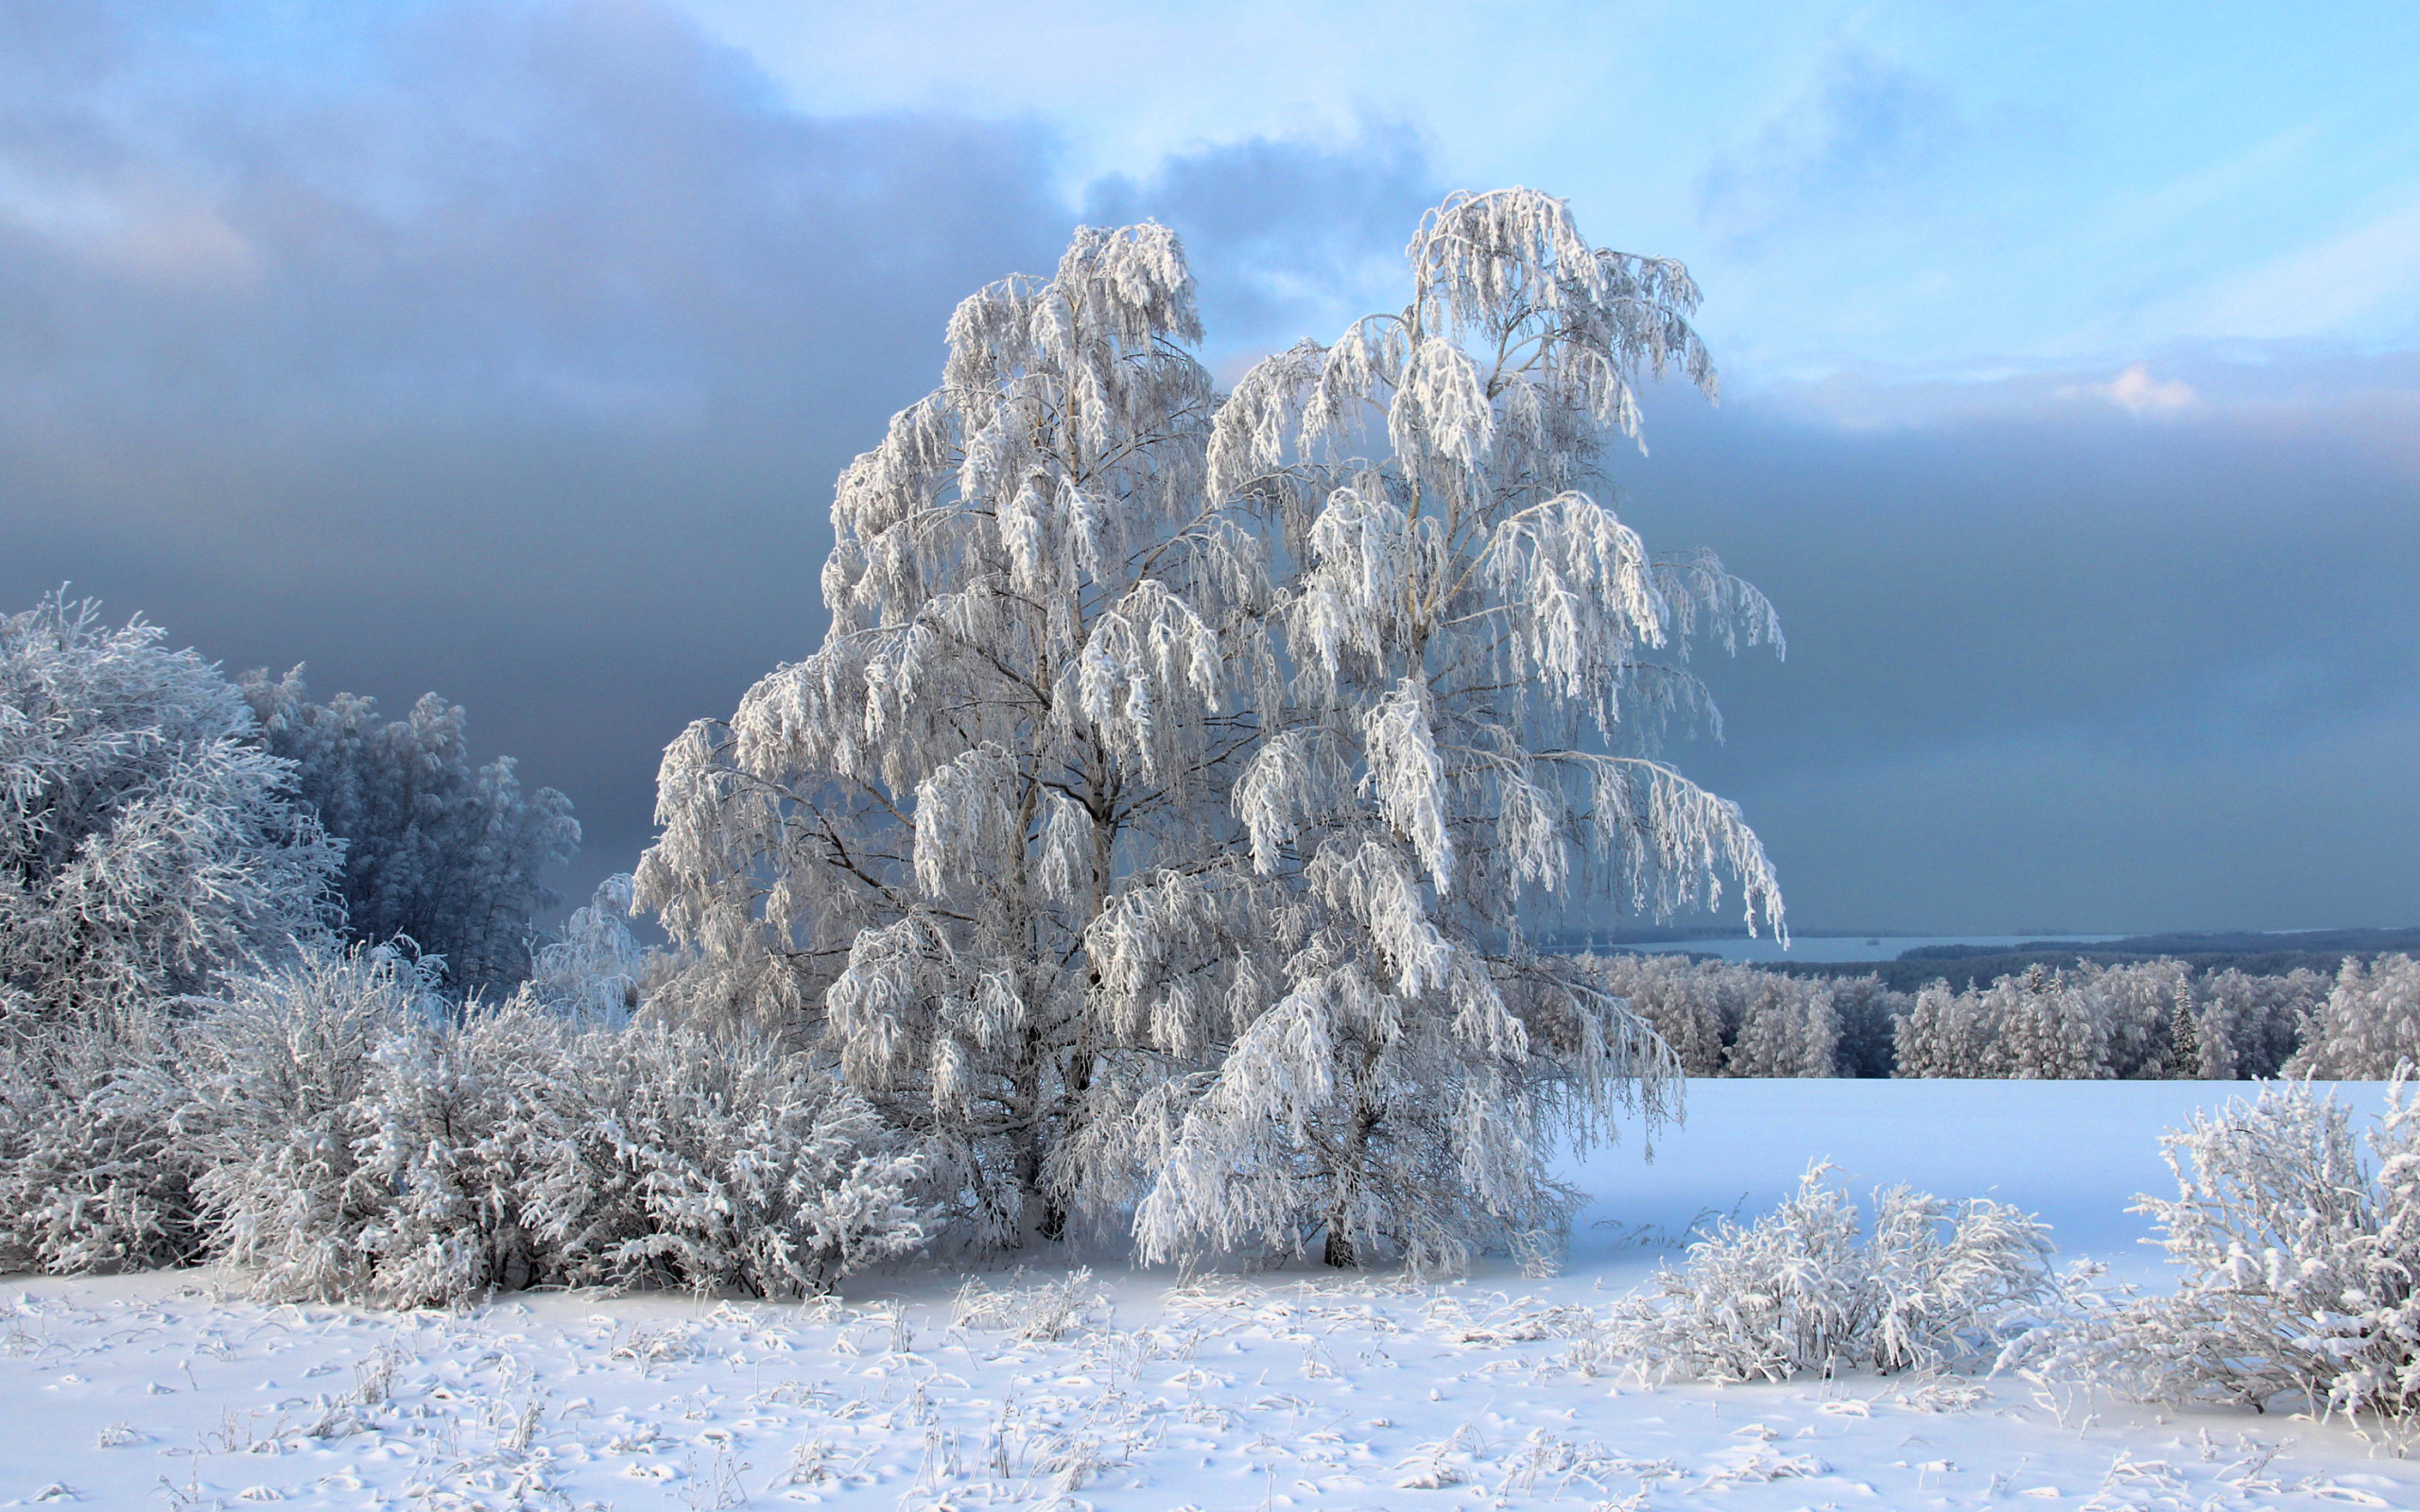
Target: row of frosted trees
(2148,1020)
(2157,1020)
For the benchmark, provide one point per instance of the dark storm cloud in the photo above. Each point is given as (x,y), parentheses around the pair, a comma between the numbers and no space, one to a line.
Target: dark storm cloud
(511,351)
(2066,665)
(513,356)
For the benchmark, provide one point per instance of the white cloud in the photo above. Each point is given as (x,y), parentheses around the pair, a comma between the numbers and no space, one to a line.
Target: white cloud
(2136,391)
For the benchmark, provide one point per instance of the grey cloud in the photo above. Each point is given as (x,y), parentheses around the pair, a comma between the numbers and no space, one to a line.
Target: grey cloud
(516,363)
(2063,664)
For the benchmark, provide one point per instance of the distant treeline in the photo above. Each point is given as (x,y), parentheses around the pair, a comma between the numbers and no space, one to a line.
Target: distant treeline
(2253,953)
(2085,1019)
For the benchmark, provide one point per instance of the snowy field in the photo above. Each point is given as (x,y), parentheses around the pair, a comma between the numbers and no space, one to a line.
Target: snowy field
(1297,1388)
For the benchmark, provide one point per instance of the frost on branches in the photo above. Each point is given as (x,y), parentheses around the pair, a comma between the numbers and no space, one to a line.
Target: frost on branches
(146,841)
(2300,1259)
(1803,1290)
(1480,658)
(1015,742)
(1159,832)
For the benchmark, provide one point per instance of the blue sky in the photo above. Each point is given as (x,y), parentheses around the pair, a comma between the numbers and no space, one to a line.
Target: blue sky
(1899,190)
(507,348)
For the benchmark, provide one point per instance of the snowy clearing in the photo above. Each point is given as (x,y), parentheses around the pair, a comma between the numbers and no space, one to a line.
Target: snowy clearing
(1122,1390)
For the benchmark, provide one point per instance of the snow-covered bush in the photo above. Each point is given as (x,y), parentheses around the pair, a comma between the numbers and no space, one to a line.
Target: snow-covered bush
(280,1073)
(1803,1290)
(146,840)
(439,852)
(92,1177)
(692,1158)
(358,1138)
(2300,1261)
(2369,1024)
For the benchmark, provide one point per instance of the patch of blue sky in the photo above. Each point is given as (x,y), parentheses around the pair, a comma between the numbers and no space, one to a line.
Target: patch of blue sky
(1902,190)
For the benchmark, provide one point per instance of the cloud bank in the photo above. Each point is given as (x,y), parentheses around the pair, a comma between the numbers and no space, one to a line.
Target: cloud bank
(510,349)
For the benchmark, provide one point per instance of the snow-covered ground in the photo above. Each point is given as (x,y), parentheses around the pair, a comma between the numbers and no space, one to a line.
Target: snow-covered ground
(1116,1390)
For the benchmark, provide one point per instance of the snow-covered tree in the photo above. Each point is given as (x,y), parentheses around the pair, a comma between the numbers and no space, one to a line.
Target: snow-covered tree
(439,850)
(2369,1024)
(1478,657)
(2088,1024)
(1725,1019)
(1025,710)
(146,840)
(1158,828)
(2248,1027)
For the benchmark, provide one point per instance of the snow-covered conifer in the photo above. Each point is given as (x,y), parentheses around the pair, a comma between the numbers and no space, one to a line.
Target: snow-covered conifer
(2185,1062)
(435,850)
(2369,1024)
(146,841)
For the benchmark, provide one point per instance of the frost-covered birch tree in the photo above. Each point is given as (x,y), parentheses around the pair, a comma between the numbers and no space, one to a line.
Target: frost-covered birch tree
(902,845)
(1478,659)
(1160,829)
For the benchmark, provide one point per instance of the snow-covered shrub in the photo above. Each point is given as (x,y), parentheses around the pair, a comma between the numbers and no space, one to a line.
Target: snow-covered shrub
(1803,1290)
(2369,1024)
(146,840)
(92,1177)
(359,1138)
(2300,1259)
(280,1073)
(437,851)
(693,1159)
